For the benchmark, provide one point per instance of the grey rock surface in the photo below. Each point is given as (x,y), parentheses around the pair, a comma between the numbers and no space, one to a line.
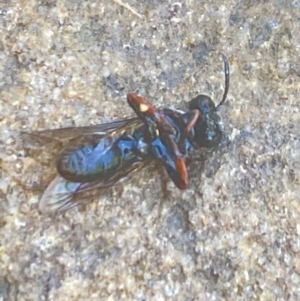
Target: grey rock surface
(234,233)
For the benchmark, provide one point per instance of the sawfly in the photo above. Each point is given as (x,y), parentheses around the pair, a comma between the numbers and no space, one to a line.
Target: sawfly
(99,156)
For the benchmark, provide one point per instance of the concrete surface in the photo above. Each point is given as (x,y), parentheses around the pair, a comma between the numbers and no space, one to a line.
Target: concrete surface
(234,234)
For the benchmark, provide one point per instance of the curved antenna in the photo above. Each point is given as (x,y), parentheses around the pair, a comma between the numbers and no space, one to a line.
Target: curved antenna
(226,71)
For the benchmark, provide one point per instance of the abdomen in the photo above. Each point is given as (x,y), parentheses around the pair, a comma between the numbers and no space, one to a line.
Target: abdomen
(99,161)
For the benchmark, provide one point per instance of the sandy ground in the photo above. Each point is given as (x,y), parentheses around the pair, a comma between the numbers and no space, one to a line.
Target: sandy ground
(234,233)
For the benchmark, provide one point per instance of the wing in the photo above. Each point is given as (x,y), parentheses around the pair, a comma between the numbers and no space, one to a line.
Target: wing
(44,146)
(69,133)
(62,194)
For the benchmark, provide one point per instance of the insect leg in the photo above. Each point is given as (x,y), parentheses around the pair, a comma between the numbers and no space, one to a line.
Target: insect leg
(192,119)
(148,113)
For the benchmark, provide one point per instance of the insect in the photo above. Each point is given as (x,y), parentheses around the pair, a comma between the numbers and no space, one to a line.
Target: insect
(102,155)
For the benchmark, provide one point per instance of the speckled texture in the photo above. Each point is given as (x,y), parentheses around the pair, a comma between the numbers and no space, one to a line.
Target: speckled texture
(234,234)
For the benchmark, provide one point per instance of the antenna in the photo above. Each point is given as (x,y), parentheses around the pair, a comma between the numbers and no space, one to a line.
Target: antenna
(227,75)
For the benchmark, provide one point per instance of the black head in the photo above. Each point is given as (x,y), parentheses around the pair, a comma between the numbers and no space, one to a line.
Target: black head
(207,131)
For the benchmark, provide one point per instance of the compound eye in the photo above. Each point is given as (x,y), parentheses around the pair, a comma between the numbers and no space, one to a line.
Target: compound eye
(203,103)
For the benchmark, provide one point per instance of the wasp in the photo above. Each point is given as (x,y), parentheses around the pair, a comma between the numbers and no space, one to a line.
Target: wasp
(100,156)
